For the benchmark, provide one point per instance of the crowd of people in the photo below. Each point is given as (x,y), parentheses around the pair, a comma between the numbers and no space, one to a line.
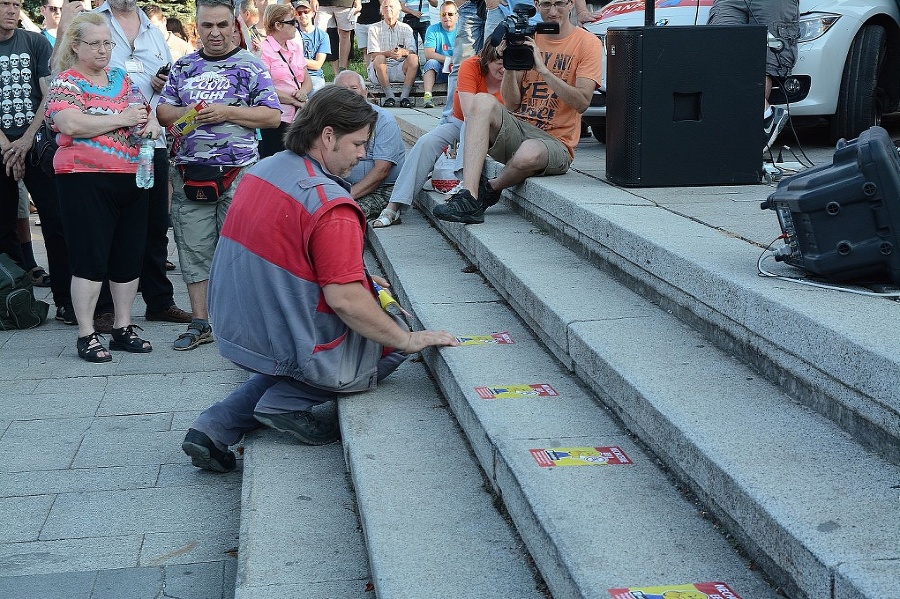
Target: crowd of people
(267,175)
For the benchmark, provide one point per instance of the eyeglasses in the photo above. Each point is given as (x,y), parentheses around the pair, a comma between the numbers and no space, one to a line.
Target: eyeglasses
(107,45)
(289,22)
(448,14)
(556,5)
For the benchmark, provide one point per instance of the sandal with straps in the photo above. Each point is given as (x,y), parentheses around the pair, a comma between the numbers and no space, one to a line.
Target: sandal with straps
(90,348)
(387,218)
(125,338)
(39,277)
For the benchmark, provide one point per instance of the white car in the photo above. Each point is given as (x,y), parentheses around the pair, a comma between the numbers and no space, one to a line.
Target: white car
(848,61)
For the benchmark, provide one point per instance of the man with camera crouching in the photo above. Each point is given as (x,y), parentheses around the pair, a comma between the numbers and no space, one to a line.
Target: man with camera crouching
(537,131)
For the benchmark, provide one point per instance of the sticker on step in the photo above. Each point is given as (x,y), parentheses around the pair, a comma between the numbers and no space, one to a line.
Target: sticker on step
(516,391)
(581,456)
(700,590)
(492,339)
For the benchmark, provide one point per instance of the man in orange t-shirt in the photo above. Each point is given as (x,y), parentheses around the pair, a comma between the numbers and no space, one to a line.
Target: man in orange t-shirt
(537,131)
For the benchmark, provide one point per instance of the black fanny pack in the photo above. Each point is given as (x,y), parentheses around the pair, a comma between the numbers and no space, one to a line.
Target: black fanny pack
(205,183)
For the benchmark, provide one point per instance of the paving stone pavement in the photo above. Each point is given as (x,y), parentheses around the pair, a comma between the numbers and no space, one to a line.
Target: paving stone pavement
(97,501)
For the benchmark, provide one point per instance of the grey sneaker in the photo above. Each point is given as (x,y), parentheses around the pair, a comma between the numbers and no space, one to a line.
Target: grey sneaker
(461,207)
(303,426)
(773,125)
(204,453)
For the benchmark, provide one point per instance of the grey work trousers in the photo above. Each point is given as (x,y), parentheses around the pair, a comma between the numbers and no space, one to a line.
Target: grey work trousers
(226,422)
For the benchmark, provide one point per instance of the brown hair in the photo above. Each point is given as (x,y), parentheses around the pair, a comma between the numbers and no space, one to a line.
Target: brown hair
(332,106)
(487,55)
(276,13)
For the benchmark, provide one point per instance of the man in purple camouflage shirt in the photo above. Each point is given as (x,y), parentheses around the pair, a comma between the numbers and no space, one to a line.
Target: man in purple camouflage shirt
(239,98)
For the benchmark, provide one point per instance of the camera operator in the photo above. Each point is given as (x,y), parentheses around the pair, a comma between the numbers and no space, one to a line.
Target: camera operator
(537,131)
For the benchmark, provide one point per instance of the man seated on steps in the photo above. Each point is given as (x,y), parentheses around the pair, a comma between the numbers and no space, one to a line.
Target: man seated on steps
(288,291)
(536,133)
(372,179)
(392,48)
(439,50)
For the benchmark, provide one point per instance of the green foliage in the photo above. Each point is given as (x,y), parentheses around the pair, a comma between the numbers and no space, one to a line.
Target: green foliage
(174,8)
(33,9)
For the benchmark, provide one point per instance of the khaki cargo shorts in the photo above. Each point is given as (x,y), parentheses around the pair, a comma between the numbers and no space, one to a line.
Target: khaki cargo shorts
(197,226)
(513,132)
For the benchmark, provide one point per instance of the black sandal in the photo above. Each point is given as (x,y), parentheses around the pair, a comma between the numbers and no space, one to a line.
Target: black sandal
(125,338)
(90,348)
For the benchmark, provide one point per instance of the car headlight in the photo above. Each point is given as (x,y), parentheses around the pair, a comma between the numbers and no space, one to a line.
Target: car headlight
(816,24)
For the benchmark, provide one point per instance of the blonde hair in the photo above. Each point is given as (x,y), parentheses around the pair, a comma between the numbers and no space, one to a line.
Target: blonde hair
(276,13)
(66,58)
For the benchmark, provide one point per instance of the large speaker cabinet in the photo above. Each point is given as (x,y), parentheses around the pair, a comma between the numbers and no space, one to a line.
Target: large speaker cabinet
(685,105)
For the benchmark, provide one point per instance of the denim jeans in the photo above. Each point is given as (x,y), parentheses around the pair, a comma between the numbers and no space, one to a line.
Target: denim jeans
(469,39)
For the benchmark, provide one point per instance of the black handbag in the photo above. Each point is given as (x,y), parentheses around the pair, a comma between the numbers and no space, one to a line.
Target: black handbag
(205,183)
(43,148)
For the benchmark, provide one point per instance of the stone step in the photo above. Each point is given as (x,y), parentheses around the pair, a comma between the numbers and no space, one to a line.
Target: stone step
(430,524)
(588,529)
(299,530)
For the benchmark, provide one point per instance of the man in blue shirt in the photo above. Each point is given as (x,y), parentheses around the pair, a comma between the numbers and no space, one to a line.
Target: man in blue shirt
(372,179)
(316,45)
(51,11)
(438,49)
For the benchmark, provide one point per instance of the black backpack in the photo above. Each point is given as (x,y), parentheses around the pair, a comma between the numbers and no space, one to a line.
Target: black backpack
(18,308)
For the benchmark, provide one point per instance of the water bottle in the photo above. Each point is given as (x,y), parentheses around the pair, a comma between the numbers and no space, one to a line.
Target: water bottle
(144,176)
(135,98)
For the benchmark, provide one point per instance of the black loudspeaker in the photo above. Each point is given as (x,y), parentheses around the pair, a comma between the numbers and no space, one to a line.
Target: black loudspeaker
(684,105)
(842,220)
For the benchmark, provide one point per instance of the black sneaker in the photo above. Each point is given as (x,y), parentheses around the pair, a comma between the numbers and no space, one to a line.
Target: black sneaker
(460,208)
(486,193)
(66,314)
(303,426)
(204,453)
(773,125)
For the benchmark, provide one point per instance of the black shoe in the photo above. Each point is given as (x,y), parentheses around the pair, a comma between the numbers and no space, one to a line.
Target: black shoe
(460,208)
(66,314)
(171,314)
(389,103)
(486,194)
(303,426)
(103,322)
(773,124)
(204,453)
(406,103)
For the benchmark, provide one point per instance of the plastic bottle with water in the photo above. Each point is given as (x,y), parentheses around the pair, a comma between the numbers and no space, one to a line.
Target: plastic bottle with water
(144,176)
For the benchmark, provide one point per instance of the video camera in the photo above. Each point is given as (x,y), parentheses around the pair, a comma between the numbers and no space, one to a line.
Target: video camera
(515,29)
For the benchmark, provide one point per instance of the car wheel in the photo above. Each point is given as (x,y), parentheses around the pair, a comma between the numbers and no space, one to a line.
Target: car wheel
(598,130)
(860,99)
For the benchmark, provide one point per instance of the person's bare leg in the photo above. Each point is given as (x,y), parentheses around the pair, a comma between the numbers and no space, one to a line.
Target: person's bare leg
(197,295)
(84,300)
(529,160)
(482,125)
(343,49)
(123,295)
